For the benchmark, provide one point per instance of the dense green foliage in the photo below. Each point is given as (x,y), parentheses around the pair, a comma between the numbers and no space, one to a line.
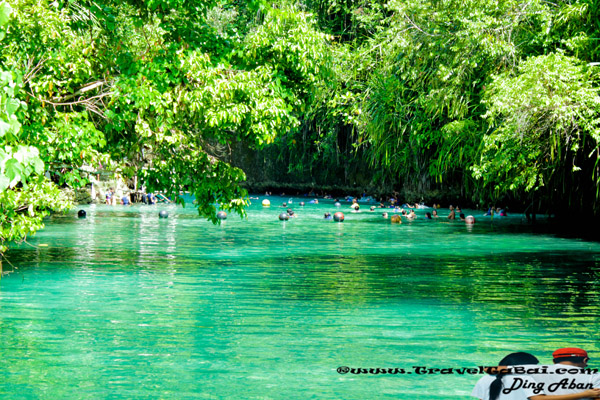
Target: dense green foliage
(487,100)
(26,196)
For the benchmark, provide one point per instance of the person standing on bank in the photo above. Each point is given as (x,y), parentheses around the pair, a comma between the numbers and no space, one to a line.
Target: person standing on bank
(109,195)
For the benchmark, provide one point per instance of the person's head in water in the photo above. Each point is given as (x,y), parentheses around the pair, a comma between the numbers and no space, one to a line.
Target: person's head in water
(519,358)
(428,215)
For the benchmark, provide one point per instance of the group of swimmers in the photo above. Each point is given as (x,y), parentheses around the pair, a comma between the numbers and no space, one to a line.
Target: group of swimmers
(519,376)
(500,211)
(411,215)
(396,218)
(455,212)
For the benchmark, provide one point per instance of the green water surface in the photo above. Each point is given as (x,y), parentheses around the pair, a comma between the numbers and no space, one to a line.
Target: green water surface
(124,305)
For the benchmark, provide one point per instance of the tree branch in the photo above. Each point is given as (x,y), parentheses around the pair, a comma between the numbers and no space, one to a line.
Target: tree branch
(87,88)
(417,27)
(34,71)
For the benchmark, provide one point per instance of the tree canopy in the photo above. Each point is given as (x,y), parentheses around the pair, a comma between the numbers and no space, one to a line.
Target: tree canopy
(495,98)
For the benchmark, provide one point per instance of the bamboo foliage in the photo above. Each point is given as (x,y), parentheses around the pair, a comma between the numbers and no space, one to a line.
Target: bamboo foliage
(545,127)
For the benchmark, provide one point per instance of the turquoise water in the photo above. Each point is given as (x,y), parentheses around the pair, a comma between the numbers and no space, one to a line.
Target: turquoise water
(125,305)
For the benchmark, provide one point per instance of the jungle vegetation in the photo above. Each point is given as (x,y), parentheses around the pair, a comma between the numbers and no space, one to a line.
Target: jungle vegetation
(489,99)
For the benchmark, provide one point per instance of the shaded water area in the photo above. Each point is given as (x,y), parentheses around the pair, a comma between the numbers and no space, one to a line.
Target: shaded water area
(124,305)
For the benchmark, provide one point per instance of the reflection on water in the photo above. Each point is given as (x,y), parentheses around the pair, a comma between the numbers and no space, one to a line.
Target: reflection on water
(123,304)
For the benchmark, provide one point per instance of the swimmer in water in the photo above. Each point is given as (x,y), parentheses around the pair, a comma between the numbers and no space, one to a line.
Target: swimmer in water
(452,214)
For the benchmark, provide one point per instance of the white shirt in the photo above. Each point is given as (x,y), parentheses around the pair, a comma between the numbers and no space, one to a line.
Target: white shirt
(566,379)
(482,388)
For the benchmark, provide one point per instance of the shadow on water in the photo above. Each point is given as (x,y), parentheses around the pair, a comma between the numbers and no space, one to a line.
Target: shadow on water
(535,284)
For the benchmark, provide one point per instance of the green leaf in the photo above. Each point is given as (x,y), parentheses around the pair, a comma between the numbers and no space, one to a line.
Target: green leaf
(5,11)
(4,182)
(13,169)
(4,128)
(38,165)
(12,106)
